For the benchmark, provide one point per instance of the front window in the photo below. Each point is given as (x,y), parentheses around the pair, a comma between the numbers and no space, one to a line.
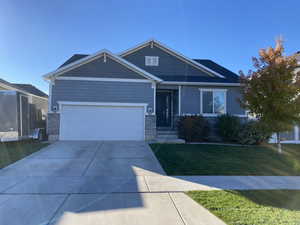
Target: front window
(213,101)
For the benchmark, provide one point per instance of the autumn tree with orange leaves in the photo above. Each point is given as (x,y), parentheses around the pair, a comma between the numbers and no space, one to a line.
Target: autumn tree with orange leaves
(271,93)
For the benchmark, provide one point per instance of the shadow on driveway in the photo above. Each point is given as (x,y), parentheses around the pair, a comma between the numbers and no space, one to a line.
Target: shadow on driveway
(82,178)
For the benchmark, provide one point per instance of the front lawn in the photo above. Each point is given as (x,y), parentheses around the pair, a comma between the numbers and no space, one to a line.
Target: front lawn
(277,207)
(13,151)
(186,159)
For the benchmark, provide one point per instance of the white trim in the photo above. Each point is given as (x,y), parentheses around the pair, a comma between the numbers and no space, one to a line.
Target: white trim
(154,101)
(21,91)
(172,52)
(213,90)
(210,114)
(103,104)
(240,115)
(95,56)
(179,100)
(104,79)
(104,57)
(50,97)
(21,115)
(151,60)
(203,83)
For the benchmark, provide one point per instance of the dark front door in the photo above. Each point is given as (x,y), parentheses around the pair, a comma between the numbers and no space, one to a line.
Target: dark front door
(163,109)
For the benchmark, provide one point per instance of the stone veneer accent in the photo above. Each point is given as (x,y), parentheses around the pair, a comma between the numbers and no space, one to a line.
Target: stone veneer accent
(53,126)
(150,127)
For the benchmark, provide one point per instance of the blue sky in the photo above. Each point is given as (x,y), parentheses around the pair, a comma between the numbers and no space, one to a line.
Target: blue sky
(36,36)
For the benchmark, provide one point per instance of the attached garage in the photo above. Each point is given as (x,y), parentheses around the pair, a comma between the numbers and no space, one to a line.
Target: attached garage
(102,121)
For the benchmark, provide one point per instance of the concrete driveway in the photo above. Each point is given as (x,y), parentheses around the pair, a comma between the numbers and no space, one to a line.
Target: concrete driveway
(91,183)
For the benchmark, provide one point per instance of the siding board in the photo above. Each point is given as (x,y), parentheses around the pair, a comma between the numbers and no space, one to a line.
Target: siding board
(100,91)
(99,69)
(169,65)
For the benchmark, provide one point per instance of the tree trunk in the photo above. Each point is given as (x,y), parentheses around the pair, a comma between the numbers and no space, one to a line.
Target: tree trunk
(278,143)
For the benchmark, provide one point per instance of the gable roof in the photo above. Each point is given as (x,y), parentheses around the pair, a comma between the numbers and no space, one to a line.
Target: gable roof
(26,88)
(228,75)
(86,59)
(174,53)
(31,89)
(73,58)
(230,78)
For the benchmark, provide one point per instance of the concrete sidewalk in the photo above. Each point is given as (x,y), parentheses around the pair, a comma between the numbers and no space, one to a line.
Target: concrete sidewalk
(189,183)
(141,184)
(92,183)
(119,183)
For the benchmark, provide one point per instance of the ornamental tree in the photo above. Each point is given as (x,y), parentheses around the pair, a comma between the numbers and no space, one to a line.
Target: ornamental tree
(271,92)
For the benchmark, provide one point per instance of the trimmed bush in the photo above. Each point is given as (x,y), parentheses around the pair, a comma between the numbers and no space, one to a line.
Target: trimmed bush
(253,133)
(228,127)
(193,128)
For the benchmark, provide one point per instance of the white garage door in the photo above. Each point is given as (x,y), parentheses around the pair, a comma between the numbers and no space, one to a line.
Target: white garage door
(79,122)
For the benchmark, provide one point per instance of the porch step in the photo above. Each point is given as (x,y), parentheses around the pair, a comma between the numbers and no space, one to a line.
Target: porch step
(166,132)
(167,136)
(170,141)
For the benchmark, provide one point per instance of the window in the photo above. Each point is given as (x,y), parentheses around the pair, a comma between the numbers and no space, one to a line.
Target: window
(151,60)
(213,101)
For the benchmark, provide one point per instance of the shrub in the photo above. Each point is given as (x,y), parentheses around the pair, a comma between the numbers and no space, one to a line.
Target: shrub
(193,128)
(228,127)
(253,133)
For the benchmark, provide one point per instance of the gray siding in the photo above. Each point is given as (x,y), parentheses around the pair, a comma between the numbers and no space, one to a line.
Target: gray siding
(99,68)
(190,99)
(233,105)
(98,91)
(169,65)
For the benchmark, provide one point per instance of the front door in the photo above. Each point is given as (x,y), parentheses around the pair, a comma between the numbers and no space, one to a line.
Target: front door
(163,109)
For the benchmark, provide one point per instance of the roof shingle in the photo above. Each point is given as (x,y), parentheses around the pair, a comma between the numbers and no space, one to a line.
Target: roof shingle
(230,77)
(25,87)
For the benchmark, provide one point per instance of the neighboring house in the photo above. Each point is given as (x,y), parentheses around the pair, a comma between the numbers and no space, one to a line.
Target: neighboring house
(134,94)
(23,111)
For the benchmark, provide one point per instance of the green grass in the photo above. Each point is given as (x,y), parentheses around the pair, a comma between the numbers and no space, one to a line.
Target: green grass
(185,159)
(13,151)
(277,207)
